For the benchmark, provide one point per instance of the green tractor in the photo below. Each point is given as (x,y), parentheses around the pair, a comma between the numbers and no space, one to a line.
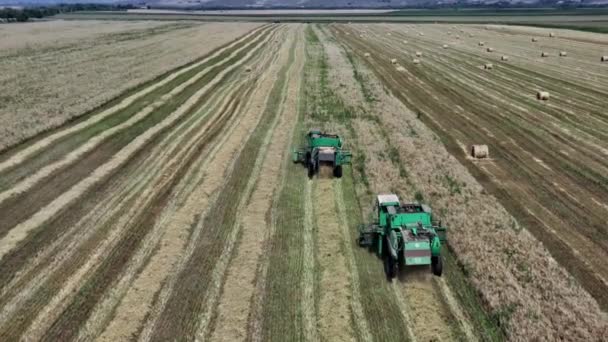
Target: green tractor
(404,235)
(322,148)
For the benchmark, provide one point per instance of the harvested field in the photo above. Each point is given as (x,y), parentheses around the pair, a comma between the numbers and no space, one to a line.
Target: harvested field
(173,211)
(546,167)
(84,64)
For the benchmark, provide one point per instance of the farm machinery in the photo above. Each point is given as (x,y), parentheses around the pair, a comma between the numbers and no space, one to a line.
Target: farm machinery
(404,235)
(322,149)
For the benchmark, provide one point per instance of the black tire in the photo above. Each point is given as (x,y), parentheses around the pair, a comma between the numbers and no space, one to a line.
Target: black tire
(338,171)
(437,265)
(311,169)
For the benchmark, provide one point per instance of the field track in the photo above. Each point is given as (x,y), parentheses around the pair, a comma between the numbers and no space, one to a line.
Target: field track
(174,212)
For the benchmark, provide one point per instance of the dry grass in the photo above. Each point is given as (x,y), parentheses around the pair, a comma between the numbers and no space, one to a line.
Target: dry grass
(45,80)
(521,284)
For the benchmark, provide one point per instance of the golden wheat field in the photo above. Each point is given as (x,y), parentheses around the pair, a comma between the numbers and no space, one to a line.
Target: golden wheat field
(147,190)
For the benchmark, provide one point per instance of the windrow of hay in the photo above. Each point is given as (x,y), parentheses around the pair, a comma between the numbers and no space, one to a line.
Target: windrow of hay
(89,70)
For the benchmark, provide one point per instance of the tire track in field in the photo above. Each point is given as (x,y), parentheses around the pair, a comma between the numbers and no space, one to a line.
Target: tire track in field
(357,309)
(334,321)
(53,178)
(165,175)
(20,231)
(309,316)
(43,143)
(235,304)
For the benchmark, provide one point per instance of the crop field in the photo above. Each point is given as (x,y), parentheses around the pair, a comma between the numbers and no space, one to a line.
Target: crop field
(169,208)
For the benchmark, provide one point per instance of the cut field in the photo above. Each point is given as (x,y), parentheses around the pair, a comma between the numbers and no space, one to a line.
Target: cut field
(56,71)
(173,211)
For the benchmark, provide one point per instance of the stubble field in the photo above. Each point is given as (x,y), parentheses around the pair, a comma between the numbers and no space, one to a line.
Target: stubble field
(174,212)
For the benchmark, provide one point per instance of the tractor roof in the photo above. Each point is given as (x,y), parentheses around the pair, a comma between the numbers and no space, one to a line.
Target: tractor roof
(388,198)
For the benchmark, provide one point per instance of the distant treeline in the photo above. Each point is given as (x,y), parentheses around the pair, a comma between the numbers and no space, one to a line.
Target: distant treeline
(27,13)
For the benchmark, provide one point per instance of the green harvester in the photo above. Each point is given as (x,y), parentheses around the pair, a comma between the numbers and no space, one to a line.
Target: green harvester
(322,148)
(404,235)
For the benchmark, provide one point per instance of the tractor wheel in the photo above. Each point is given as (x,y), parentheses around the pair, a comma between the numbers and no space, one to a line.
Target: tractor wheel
(311,169)
(338,171)
(437,265)
(390,268)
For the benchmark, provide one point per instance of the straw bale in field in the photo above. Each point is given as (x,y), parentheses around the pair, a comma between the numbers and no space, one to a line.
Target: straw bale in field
(563,53)
(416,61)
(542,95)
(488,66)
(393,60)
(544,54)
(480,151)
(418,54)
(367,54)
(481,43)
(504,58)
(604,58)
(490,49)
(445,46)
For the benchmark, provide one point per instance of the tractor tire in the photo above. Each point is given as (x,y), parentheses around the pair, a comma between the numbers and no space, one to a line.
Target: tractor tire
(338,171)
(437,265)
(311,168)
(390,268)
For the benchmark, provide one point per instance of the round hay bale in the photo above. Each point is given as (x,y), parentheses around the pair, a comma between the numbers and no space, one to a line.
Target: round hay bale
(400,68)
(360,36)
(445,46)
(504,58)
(405,42)
(563,54)
(248,69)
(542,95)
(393,60)
(488,66)
(490,49)
(471,35)
(416,61)
(457,37)
(480,151)
(544,54)
(481,43)
(449,33)
(388,34)
(418,54)
(604,59)
(534,40)
(551,34)
(421,33)
(367,54)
